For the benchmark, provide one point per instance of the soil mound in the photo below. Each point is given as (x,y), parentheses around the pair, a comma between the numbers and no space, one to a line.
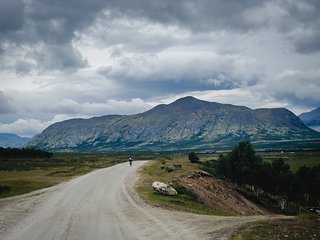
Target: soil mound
(220,195)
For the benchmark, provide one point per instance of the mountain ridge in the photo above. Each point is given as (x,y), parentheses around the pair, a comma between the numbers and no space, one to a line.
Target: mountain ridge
(184,123)
(12,140)
(312,119)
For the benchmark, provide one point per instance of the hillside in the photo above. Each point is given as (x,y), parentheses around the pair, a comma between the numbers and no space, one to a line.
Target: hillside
(12,140)
(312,119)
(187,122)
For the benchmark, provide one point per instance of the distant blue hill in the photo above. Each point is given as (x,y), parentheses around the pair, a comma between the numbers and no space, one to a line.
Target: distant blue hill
(12,140)
(312,119)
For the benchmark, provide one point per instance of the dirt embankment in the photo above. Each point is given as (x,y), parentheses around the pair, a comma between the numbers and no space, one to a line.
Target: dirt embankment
(220,195)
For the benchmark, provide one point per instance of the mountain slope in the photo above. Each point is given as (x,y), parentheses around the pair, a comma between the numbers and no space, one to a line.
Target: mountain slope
(68,134)
(312,119)
(187,122)
(12,140)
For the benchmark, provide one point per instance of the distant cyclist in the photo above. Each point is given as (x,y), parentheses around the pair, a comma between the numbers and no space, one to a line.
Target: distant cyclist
(130,160)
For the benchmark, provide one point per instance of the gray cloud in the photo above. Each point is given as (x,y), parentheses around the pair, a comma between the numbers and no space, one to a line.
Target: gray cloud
(296,87)
(179,71)
(5,104)
(41,58)
(195,15)
(59,57)
(55,23)
(11,15)
(306,40)
(43,31)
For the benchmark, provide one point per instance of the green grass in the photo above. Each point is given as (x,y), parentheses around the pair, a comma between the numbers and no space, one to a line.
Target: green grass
(294,159)
(156,171)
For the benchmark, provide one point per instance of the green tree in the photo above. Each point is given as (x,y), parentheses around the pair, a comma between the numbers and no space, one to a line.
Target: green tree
(241,165)
(281,179)
(193,157)
(308,182)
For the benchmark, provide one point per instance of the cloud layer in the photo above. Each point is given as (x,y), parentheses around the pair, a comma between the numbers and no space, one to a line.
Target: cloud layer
(77,58)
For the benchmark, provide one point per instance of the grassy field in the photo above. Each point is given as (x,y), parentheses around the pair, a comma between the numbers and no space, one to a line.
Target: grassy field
(18,176)
(158,171)
(304,227)
(294,159)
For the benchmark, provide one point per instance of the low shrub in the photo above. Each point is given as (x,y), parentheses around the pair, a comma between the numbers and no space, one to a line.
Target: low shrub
(4,189)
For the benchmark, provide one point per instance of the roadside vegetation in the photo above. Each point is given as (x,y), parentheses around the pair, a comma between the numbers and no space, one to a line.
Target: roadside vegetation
(264,178)
(271,182)
(304,227)
(163,170)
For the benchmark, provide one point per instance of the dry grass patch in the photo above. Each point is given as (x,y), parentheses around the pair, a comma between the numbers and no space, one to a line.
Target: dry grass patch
(23,175)
(15,183)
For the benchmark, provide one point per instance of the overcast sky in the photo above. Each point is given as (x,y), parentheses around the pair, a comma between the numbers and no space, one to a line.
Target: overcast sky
(81,58)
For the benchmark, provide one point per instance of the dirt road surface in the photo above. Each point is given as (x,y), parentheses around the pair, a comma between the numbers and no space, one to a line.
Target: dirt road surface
(103,205)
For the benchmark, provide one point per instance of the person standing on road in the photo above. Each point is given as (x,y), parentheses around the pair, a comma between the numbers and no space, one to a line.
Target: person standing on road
(130,160)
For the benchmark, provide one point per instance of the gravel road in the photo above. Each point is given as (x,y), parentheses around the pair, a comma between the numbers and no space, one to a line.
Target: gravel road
(103,205)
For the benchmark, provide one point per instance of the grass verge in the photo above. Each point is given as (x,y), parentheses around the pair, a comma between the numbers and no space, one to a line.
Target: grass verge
(304,227)
(19,176)
(157,170)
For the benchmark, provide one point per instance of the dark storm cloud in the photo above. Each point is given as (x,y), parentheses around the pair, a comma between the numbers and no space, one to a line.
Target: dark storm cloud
(306,11)
(59,57)
(209,15)
(307,41)
(42,58)
(56,21)
(26,24)
(41,33)
(11,15)
(195,15)
(303,24)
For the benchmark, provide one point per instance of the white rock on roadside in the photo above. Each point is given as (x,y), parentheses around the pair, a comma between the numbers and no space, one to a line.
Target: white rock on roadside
(164,188)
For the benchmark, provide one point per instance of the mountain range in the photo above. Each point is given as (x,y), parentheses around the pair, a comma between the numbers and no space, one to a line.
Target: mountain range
(312,119)
(12,140)
(186,123)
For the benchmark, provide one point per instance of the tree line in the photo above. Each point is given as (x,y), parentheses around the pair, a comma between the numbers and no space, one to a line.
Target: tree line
(24,153)
(275,180)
